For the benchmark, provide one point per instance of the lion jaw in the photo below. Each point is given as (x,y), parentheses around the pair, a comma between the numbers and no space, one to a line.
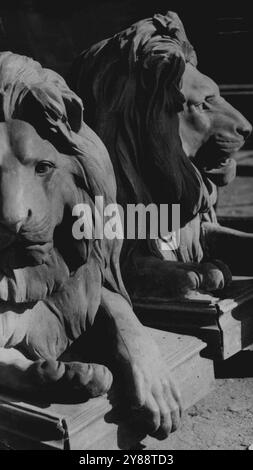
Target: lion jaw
(18,254)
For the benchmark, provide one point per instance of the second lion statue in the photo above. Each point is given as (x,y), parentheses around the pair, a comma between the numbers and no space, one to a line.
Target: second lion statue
(171,138)
(55,288)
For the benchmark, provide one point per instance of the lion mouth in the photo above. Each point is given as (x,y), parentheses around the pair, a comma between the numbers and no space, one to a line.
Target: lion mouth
(18,254)
(215,160)
(38,250)
(228,146)
(217,153)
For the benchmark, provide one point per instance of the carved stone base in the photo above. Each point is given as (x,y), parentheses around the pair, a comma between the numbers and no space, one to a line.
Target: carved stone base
(225,323)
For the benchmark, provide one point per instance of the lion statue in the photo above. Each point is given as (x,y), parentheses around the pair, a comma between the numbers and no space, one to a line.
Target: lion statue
(55,288)
(171,137)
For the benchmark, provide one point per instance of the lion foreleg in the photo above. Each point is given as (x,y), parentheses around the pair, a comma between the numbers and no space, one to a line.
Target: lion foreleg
(140,370)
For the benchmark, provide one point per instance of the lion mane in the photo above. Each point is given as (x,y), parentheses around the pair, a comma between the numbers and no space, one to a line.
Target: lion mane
(42,98)
(127,83)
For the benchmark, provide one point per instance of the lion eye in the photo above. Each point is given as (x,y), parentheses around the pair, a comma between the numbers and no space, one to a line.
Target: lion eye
(200,107)
(43,168)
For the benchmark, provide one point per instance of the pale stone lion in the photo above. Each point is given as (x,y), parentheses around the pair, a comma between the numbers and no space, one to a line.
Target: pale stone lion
(55,288)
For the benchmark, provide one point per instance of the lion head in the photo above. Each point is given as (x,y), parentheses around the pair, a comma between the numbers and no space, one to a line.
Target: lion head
(50,161)
(211,130)
(167,129)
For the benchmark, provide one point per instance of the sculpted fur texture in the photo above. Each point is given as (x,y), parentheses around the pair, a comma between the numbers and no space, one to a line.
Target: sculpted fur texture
(55,289)
(171,138)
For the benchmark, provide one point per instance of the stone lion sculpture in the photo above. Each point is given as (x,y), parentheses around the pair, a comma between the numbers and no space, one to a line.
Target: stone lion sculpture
(170,136)
(53,287)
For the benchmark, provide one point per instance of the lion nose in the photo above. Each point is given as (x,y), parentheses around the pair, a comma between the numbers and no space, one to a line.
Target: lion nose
(244,129)
(14,223)
(13,226)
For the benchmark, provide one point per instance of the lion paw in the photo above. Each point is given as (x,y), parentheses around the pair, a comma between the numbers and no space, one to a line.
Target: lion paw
(95,379)
(70,378)
(148,387)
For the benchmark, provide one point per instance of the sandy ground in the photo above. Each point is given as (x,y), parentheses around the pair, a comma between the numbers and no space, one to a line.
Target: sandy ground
(223,420)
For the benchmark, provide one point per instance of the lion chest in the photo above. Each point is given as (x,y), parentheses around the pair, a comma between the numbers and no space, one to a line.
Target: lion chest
(184,245)
(46,328)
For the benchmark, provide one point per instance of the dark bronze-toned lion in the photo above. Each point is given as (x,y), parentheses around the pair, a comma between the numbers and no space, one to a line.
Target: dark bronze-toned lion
(54,288)
(170,136)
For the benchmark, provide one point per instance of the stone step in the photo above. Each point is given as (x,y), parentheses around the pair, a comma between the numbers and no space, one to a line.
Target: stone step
(224,323)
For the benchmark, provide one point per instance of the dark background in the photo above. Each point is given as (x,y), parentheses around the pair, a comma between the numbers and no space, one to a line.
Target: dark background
(54,32)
